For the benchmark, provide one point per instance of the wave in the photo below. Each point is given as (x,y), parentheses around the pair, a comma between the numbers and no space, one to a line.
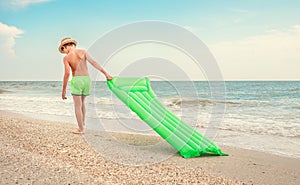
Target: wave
(260,121)
(295,89)
(2,91)
(291,130)
(295,107)
(176,101)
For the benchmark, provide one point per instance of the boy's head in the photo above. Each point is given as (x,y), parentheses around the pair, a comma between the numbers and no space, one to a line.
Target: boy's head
(65,42)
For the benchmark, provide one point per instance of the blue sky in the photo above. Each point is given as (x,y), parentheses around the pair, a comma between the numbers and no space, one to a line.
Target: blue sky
(240,33)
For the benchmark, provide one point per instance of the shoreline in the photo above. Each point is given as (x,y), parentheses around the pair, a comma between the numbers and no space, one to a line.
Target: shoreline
(38,151)
(108,125)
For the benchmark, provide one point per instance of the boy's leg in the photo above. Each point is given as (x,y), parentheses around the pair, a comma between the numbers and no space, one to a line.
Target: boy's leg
(83,109)
(78,112)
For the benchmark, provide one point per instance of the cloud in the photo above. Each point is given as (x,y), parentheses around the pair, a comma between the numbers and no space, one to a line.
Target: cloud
(273,55)
(8,34)
(242,11)
(21,3)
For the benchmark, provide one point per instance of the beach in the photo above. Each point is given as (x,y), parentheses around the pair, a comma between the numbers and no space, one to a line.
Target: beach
(45,152)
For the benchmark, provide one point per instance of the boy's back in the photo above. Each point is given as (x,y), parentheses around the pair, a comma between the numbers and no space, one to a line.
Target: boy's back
(77,61)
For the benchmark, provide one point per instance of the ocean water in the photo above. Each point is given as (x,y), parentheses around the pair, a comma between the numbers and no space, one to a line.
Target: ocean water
(258,115)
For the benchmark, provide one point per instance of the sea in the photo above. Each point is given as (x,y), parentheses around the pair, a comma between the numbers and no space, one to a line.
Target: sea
(257,115)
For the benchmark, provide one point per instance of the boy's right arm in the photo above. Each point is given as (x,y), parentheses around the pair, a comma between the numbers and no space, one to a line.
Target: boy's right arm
(66,79)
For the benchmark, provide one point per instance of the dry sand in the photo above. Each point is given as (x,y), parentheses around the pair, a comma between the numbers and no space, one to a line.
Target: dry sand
(42,152)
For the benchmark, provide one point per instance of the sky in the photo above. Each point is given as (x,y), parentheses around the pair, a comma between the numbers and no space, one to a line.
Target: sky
(250,39)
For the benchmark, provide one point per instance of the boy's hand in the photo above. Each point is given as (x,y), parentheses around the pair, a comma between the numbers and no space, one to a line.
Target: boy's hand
(108,77)
(63,96)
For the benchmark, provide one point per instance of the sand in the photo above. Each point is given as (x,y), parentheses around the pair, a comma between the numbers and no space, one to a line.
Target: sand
(43,152)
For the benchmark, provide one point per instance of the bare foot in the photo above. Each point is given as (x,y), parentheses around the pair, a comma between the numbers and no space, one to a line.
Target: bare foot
(77,131)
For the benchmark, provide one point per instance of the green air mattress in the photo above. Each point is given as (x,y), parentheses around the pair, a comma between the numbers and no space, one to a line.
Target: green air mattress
(137,94)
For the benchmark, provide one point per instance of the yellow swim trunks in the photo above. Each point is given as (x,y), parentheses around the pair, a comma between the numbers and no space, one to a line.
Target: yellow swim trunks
(81,85)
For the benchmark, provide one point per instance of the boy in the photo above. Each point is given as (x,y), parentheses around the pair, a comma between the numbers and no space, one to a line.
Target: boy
(75,60)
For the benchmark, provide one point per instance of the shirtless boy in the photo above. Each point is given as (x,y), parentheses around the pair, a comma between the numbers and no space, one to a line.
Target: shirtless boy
(75,60)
